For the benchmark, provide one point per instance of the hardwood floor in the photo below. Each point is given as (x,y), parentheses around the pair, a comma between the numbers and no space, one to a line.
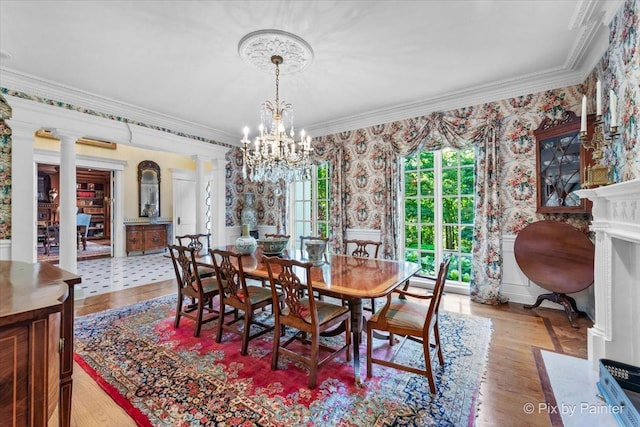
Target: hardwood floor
(511,380)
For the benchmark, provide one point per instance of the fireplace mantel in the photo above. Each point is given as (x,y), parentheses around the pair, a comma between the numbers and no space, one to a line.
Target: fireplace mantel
(616,224)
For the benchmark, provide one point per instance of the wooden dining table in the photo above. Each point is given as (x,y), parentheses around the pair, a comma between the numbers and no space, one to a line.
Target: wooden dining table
(341,276)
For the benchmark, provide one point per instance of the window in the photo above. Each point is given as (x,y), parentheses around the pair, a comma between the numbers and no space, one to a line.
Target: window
(438,210)
(207,204)
(311,204)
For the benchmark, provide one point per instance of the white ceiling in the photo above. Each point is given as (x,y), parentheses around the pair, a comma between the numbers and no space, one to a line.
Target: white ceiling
(176,63)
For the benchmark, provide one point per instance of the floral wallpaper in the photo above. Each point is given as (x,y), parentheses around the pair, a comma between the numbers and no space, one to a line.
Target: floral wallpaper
(269,198)
(620,68)
(520,117)
(365,151)
(5,171)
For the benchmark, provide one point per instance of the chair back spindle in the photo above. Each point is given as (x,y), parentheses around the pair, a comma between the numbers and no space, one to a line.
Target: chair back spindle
(438,291)
(183,262)
(195,241)
(230,275)
(235,293)
(363,248)
(191,284)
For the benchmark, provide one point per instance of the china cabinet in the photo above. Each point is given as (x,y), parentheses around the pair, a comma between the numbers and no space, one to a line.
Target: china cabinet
(561,161)
(92,197)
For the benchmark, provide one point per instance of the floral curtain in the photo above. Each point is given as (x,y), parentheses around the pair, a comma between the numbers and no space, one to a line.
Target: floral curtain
(486,271)
(401,139)
(331,149)
(460,128)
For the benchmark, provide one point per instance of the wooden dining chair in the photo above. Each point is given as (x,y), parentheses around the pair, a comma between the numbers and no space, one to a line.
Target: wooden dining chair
(201,290)
(414,320)
(307,314)
(83,222)
(363,249)
(199,242)
(235,293)
(51,237)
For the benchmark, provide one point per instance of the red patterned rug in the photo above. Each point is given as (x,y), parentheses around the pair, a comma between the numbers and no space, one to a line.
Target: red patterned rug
(165,377)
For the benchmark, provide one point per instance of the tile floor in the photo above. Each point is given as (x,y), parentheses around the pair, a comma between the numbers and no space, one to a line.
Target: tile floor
(104,275)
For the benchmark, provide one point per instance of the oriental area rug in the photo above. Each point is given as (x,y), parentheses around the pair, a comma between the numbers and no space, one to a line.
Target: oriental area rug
(163,376)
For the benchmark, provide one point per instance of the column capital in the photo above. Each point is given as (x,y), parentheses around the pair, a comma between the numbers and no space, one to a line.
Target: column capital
(65,135)
(22,130)
(218,164)
(199,158)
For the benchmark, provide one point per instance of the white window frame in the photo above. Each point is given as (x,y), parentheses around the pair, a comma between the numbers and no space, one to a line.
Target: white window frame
(295,236)
(451,286)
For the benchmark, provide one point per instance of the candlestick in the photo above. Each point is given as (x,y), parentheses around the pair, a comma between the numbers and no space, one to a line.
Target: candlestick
(598,98)
(613,103)
(583,119)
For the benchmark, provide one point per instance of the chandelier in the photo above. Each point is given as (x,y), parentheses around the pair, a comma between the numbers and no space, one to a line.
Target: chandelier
(274,154)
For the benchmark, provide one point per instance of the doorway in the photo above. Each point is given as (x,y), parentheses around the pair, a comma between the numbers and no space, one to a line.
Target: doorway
(93,199)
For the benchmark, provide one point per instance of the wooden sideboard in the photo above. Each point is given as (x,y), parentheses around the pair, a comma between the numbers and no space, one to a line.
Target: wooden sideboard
(36,343)
(146,237)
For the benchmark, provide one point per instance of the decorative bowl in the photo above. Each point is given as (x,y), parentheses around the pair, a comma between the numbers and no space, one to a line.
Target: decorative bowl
(273,245)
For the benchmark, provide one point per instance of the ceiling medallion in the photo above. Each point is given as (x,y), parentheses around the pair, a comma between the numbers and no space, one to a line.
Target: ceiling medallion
(257,48)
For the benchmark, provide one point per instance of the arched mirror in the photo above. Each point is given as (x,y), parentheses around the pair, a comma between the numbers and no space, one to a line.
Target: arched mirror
(149,188)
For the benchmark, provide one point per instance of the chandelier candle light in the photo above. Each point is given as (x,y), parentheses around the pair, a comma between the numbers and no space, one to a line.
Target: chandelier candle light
(598,174)
(274,154)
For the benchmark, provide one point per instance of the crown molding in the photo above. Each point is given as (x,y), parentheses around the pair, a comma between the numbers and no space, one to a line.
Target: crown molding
(496,91)
(36,86)
(591,19)
(584,13)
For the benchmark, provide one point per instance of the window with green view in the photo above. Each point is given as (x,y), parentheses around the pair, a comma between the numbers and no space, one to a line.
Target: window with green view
(311,204)
(438,210)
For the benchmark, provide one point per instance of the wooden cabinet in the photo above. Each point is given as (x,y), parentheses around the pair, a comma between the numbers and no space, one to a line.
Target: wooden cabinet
(34,375)
(146,238)
(47,213)
(561,160)
(36,343)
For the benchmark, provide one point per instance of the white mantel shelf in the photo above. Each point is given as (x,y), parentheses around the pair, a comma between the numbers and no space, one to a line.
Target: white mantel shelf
(616,224)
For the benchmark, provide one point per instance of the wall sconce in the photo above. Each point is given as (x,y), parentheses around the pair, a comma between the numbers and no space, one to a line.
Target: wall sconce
(598,174)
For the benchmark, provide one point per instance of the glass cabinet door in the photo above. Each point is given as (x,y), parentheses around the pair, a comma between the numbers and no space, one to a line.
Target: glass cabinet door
(560,160)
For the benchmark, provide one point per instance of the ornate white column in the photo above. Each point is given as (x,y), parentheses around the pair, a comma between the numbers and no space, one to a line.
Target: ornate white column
(24,237)
(68,209)
(201,226)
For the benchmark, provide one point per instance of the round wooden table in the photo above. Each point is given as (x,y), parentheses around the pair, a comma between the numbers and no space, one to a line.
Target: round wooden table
(557,257)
